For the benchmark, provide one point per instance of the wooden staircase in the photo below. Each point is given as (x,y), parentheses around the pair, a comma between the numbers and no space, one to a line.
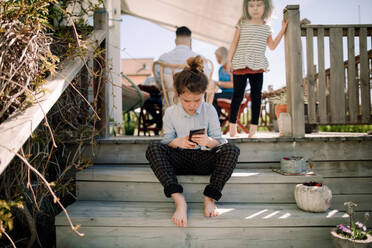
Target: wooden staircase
(121,203)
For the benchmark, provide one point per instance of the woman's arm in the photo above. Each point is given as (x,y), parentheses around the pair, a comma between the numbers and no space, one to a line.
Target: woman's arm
(225,84)
(272,44)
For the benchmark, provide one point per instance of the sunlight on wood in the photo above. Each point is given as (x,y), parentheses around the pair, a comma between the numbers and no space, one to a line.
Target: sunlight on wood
(256,214)
(285,216)
(225,210)
(332,213)
(271,215)
(244,174)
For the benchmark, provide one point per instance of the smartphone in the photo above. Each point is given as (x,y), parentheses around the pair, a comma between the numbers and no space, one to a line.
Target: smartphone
(196,131)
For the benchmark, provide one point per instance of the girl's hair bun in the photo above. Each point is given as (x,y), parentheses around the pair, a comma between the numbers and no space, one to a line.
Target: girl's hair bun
(195,63)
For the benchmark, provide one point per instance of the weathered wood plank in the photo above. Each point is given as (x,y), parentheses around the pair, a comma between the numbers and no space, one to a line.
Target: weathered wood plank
(250,151)
(323,118)
(364,202)
(133,237)
(310,77)
(337,77)
(364,77)
(146,214)
(352,83)
(153,192)
(145,174)
(343,169)
(348,186)
(293,54)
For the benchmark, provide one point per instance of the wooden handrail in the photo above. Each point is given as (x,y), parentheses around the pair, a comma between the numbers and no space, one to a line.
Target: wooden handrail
(343,26)
(346,64)
(15,131)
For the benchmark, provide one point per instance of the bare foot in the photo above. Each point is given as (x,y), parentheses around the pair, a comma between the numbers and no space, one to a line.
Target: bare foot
(210,209)
(180,215)
(252,131)
(233,129)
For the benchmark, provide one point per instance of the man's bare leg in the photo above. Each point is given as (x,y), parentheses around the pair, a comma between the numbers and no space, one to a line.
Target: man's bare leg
(210,209)
(180,215)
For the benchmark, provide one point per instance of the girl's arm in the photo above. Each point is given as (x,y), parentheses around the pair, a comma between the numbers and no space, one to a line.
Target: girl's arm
(272,44)
(232,49)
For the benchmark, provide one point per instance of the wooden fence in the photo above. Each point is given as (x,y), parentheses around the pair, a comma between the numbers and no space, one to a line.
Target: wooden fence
(338,95)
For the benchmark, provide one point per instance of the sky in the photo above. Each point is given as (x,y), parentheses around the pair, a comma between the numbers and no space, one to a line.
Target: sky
(143,39)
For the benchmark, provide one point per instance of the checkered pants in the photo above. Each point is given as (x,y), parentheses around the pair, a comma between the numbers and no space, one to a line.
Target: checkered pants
(167,162)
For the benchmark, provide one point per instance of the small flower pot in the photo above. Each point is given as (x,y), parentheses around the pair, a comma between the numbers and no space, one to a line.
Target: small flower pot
(343,242)
(280,108)
(313,198)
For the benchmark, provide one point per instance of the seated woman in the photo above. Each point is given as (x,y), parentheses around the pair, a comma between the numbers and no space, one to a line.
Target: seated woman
(225,82)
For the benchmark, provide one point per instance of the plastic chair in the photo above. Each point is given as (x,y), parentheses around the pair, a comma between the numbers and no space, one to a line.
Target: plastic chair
(224,105)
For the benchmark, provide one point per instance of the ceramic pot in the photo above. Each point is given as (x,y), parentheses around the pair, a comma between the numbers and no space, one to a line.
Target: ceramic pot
(312,198)
(280,108)
(342,242)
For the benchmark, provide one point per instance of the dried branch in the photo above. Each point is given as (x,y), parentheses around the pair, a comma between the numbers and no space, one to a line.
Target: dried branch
(46,183)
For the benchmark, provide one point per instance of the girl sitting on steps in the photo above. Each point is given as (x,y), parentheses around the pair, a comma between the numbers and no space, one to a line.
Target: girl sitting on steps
(205,153)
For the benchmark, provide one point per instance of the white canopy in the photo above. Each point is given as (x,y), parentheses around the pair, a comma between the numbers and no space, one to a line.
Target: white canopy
(212,21)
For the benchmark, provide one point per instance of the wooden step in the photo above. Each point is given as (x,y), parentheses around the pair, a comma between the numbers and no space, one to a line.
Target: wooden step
(143,224)
(121,183)
(318,148)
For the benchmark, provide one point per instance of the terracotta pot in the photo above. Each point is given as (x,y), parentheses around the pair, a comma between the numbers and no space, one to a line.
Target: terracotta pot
(312,198)
(280,108)
(342,242)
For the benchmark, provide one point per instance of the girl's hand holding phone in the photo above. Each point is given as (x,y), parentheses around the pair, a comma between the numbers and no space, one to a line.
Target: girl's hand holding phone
(201,139)
(183,142)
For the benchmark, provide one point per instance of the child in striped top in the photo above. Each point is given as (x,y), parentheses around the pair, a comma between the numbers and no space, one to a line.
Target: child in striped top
(247,57)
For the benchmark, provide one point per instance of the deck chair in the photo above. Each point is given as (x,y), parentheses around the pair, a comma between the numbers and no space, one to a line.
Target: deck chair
(224,105)
(166,80)
(133,96)
(211,90)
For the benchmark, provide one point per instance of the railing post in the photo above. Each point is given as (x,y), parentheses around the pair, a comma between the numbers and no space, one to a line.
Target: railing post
(100,82)
(293,64)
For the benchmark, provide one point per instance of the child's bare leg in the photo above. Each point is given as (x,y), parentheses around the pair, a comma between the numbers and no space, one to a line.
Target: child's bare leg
(210,209)
(233,129)
(180,215)
(252,130)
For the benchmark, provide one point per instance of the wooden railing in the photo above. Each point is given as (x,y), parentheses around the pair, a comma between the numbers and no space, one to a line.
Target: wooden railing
(15,131)
(342,97)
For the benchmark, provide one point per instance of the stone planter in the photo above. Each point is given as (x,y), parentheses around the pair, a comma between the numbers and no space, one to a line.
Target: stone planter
(342,242)
(313,198)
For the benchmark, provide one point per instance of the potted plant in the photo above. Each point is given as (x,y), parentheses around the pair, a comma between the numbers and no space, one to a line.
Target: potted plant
(353,235)
(313,197)
(280,102)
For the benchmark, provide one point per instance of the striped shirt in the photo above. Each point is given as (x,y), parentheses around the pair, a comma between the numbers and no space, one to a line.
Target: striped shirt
(251,48)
